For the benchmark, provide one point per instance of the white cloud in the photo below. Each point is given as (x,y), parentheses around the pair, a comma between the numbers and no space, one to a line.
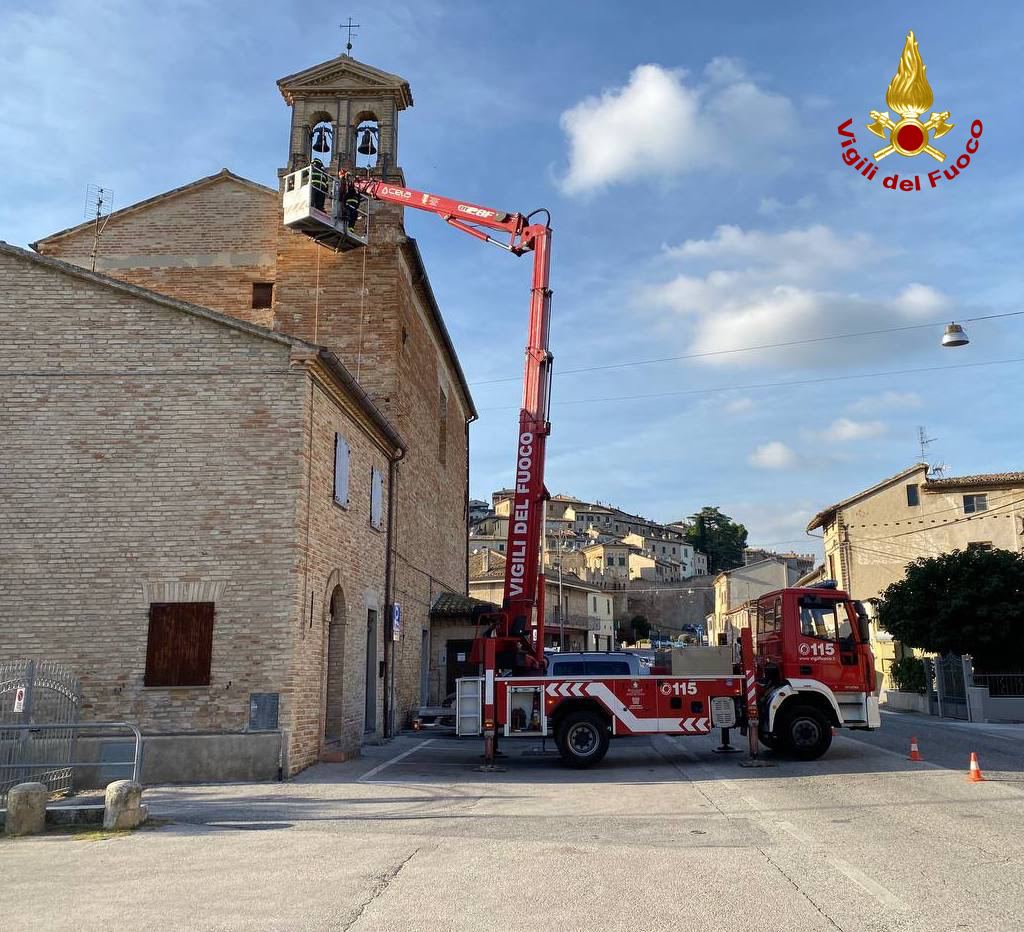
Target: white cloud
(886,401)
(844,429)
(922,300)
(669,127)
(773,455)
(739,406)
(741,287)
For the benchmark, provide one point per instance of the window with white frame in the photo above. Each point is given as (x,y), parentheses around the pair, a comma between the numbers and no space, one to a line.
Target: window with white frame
(376,497)
(975,503)
(341,458)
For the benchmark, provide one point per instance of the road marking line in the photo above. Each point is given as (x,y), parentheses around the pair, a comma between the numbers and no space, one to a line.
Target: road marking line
(365,778)
(880,893)
(763,815)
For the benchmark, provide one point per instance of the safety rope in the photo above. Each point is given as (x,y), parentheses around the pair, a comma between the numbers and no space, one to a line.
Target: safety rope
(362,293)
(316,306)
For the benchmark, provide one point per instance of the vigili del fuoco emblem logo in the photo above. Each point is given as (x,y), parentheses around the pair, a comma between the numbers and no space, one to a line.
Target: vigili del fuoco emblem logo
(909,96)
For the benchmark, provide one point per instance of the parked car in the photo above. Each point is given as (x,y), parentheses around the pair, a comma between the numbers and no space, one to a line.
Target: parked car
(596,663)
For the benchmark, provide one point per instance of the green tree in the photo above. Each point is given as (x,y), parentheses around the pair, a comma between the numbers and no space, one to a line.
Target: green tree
(717,535)
(640,627)
(965,602)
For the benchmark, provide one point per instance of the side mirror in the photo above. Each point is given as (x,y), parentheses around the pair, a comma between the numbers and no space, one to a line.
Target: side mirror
(863,623)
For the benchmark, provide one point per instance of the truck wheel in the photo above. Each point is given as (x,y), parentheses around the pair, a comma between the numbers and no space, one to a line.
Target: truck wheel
(806,732)
(582,739)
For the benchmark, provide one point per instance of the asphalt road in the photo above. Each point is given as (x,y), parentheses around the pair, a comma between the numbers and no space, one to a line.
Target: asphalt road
(663,835)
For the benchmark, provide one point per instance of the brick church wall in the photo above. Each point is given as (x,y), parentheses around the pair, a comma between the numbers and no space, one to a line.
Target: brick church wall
(206,246)
(186,482)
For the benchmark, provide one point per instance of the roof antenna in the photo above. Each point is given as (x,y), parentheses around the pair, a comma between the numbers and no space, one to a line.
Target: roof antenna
(98,204)
(349,26)
(934,471)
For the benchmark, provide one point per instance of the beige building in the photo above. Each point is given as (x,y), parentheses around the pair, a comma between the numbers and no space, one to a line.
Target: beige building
(735,588)
(219,242)
(872,535)
(196,513)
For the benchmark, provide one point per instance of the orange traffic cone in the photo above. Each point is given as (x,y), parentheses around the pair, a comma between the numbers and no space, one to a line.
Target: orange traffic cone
(915,753)
(974,774)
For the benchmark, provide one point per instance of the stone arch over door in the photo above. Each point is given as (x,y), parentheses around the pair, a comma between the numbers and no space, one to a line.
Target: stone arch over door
(336,631)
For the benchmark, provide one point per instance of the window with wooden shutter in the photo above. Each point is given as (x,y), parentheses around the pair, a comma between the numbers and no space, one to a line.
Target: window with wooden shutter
(341,457)
(262,294)
(180,644)
(376,497)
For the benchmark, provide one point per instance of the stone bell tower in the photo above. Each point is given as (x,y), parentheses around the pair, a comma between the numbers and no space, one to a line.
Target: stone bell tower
(345,113)
(341,106)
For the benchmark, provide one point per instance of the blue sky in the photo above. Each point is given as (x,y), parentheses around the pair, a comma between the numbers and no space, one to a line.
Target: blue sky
(689,156)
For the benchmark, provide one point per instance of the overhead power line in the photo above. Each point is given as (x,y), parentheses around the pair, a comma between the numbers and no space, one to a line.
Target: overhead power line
(751,349)
(759,385)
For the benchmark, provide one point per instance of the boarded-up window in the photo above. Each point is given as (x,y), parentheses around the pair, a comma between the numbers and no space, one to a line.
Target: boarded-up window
(341,456)
(376,497)
(262,294)
(442,428)
(180,644)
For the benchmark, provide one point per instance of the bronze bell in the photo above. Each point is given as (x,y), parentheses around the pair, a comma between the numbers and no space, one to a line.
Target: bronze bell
(322,139)
(366,146)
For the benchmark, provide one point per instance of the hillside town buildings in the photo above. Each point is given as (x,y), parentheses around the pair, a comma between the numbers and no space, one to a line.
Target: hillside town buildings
(644,567)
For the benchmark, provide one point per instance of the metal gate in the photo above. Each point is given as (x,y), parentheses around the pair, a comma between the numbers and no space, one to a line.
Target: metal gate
(37,692)
(946,678)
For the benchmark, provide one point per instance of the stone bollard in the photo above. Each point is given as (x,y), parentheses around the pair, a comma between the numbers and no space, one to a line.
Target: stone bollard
(123,807)
(26,809)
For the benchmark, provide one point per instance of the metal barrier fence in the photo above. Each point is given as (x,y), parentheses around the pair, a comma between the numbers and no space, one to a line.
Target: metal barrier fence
(37,691)
(946,679)
(28,762)
(1008,685)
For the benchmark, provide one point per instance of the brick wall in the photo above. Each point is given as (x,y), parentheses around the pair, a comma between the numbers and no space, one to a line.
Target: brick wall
(339,554)
(152,455)
(365,305)
(206,245)
(396,353)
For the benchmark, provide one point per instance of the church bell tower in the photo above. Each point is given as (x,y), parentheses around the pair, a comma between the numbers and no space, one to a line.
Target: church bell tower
(345,113)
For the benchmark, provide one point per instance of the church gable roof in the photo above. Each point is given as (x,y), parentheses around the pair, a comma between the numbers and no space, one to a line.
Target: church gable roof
(345,74)
(224,175)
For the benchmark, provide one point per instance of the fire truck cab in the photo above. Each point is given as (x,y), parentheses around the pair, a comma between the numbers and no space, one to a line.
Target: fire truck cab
(814,666)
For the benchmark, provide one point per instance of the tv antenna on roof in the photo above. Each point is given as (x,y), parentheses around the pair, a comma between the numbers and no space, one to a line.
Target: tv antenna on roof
(924,441)
(98,204)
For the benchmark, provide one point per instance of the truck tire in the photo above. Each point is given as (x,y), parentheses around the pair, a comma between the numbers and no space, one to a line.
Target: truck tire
(805,732)
(582,738)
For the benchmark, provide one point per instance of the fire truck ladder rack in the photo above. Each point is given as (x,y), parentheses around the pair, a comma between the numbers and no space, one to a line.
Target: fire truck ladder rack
(323,219)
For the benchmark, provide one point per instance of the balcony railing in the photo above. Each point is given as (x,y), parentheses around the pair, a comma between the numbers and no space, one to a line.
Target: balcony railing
(579,622)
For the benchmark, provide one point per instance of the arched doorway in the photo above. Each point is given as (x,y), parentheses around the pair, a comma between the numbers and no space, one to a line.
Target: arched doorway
(336,631)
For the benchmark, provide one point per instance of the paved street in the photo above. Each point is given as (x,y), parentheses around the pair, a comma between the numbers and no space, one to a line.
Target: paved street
(664,835)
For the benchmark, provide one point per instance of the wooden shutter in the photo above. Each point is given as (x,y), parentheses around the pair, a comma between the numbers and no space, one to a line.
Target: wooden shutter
(376,496)
(180,644)
(341,456)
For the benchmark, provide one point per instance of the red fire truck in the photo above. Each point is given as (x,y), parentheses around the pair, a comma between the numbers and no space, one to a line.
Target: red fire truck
(803,682)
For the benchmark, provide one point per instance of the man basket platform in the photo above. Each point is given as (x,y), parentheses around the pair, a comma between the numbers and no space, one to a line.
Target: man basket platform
(324,209)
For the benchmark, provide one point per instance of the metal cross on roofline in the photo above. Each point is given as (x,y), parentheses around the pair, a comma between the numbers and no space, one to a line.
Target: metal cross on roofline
(349,26)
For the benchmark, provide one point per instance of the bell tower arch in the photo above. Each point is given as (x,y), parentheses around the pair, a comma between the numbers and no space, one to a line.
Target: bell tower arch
(346,113)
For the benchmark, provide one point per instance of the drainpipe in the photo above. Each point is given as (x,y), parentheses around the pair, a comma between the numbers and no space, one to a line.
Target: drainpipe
(469,421)
(389,639)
